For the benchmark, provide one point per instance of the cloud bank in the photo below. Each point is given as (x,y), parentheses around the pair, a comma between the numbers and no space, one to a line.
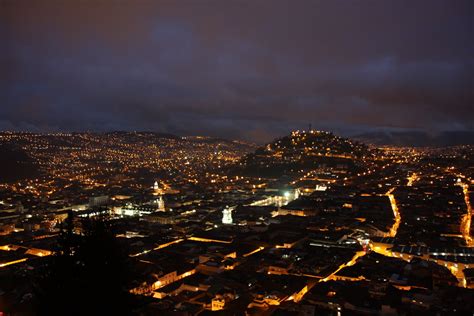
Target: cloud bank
(237,69)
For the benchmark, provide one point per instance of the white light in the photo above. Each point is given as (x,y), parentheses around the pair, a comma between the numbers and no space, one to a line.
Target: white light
(227,216)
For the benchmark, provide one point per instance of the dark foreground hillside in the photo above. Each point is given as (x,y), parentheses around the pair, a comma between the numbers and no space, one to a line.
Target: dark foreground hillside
(15,164)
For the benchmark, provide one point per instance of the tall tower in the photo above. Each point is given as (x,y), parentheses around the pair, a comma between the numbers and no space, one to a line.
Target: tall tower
(227,216)
(156,187)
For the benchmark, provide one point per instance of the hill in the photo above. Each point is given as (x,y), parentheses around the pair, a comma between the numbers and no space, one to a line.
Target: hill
(15,164)
(301,151)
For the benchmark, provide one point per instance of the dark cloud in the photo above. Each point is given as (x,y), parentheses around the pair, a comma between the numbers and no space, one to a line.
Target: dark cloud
(247,69)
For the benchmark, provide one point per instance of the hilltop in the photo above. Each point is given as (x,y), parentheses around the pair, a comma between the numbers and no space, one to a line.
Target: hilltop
(302,150)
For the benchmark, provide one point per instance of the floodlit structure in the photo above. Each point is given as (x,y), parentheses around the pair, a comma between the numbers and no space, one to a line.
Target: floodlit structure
(156,188)
(227,216)
(160,204)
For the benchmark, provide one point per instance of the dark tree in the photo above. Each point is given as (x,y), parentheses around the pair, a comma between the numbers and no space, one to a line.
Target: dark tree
(88,275)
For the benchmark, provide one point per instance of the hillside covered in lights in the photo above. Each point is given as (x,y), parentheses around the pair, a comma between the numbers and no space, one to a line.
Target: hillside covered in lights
(303,150)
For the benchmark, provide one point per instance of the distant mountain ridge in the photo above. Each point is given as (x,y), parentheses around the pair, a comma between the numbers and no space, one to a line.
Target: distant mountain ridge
(25,155)
(145,133)
(417,138)
(129,134)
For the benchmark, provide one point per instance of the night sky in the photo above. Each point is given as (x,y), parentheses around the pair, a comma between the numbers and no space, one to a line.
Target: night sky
(238,68)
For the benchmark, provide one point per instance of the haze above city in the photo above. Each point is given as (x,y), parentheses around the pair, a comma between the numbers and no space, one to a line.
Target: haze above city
(236,69)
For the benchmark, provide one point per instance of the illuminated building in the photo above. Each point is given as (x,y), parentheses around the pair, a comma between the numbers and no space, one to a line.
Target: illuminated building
(227,216)
(160,204)
(156,189)
(98,200)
